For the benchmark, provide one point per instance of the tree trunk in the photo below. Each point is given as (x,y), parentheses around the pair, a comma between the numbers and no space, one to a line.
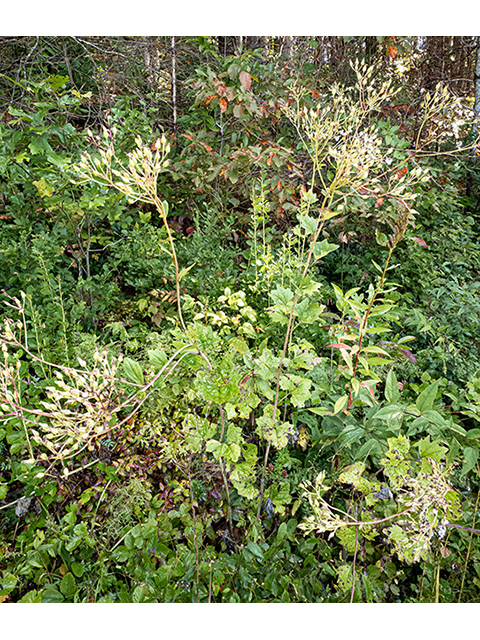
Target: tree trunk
(227,45)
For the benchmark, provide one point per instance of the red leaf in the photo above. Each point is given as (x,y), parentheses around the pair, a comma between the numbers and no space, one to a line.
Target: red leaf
(420,242)
(245,79)
(392,51)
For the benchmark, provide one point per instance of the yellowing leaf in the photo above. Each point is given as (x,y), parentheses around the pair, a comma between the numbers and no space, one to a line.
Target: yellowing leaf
(303,438)
(339,404)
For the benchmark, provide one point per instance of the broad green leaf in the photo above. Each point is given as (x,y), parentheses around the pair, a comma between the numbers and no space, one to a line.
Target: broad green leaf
(255,550)
(133,371)
(378,361)
(430,449)
(282,531)
(68,586)
(392,393)
(426,399)
(308,223)
(298,387)
(352,474)
(374,349)
(40,145)
(283,298)
(434,416)
(371,446)
(51,594)
(470,459)
(390,412)
(323,248)
(381,238)
(8,581)
(308,312)
(77,569)
(157,358)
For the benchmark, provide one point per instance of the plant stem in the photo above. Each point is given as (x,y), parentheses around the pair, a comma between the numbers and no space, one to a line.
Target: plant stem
(364,323)
(353,566)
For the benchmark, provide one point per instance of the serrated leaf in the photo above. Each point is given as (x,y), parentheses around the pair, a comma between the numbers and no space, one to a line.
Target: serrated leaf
(307,312)
(430,449)
(283,298)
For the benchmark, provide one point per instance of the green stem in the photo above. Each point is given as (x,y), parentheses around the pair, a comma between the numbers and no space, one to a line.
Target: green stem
(364,323)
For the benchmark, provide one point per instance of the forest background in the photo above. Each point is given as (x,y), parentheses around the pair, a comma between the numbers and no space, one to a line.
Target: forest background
(240,283)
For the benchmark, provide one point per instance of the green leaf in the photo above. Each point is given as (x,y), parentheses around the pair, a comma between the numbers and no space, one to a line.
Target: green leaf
(319,411)
(282,531)
(390,412)
(8,581)
(157,358)
(471,456)
(68,585)
(307,312)
(253,549)
(40,145)
(51,594)
(430,449)
(323,248)
(283,298)
(298,387)
(392,393)
(77,569)
(473,434)
(426,399)
(378,361)
(371,446)
(184,272)
(133,371)
(308,223)
(381,238)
